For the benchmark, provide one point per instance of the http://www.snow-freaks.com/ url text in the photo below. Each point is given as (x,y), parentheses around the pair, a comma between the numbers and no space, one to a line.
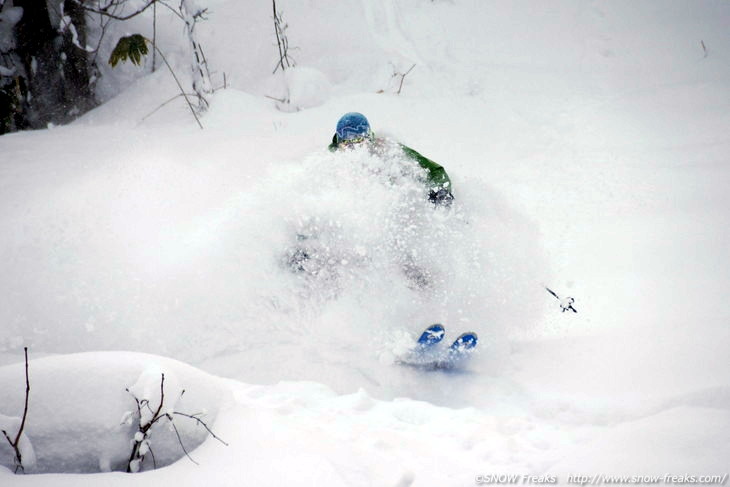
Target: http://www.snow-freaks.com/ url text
(602,479)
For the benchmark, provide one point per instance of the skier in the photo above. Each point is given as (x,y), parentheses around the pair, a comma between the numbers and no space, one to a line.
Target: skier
(353,130)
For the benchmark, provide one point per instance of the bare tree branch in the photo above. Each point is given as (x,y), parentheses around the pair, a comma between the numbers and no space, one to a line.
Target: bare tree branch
(105,13)
(282,41)
(403,77)
(154,460)
(27,395)
(182,91)
(154,36)
(14,444)
(171,9)
(181,442)
(201,422)
(280,100)
(165,103)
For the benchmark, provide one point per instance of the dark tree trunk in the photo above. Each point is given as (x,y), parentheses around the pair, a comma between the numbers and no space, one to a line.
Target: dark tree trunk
(57,71)
(77,87)
(13,86)
(12,96)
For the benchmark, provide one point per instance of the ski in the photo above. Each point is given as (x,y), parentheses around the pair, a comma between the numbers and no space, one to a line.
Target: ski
(431,336)
(458,352)
(427,355)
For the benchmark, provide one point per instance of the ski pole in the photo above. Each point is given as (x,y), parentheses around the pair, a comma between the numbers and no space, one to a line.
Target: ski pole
(565,303)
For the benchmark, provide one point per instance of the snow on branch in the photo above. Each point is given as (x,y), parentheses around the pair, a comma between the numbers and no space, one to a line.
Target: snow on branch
(202,85)
(147,416)
(282,42)
(66,24)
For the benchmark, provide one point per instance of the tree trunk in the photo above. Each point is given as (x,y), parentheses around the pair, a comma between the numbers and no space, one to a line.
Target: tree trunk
(12,74)
(57,71)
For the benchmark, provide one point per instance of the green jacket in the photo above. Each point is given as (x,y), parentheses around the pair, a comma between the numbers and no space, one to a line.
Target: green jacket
(436,175)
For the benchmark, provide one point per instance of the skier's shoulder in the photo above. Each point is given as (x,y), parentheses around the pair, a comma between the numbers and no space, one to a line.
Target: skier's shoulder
(422,160)
(388,144)
(437,175)
(415,155)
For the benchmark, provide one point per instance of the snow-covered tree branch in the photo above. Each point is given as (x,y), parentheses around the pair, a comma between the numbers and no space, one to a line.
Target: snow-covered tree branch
(146,416)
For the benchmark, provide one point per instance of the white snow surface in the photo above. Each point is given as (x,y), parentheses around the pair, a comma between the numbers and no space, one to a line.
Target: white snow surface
(589,150)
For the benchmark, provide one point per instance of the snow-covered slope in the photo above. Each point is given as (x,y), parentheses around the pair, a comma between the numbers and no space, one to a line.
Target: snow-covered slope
(589,151)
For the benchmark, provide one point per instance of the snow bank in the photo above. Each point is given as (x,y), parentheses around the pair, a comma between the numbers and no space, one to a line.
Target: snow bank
(305,433)
(81,418)
(695,437)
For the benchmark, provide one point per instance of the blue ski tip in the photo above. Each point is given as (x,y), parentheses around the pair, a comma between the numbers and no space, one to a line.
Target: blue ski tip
(427,356)
(431,335)
(466,341)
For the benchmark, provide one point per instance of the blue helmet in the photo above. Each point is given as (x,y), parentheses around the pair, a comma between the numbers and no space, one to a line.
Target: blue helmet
(351,126)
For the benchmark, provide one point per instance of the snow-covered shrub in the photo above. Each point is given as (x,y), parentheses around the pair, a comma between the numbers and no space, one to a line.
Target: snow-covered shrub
(81,416)
(152,409)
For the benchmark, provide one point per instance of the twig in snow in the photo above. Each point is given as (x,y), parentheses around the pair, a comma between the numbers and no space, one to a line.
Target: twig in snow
(403,77)
(177,433)
(14,444)
(280,100)
(162,105)
(201,422)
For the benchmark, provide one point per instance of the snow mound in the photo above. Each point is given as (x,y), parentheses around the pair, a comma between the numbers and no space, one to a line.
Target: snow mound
(300,87)
(81,418)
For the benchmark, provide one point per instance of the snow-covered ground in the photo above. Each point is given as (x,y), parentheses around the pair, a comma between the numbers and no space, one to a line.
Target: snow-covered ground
(589,149)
